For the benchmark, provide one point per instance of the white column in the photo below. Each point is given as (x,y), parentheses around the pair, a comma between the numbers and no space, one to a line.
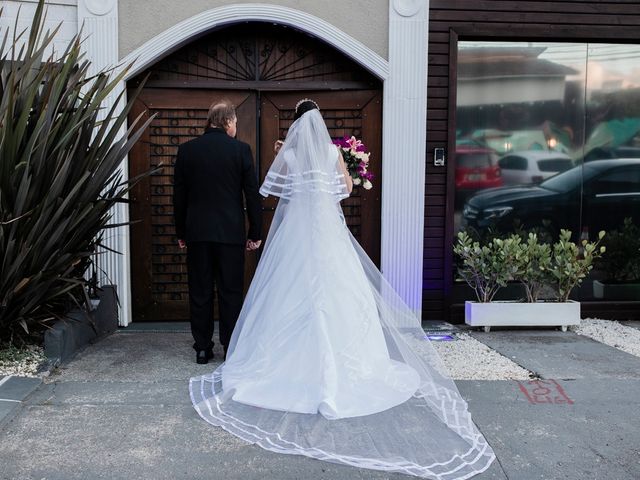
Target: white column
(404,149)
(98,21)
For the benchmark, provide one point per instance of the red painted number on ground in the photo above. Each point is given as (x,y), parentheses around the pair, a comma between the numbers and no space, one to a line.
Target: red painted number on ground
(545,391)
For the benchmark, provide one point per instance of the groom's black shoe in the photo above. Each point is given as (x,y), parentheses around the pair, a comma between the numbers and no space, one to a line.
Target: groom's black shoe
(202,356)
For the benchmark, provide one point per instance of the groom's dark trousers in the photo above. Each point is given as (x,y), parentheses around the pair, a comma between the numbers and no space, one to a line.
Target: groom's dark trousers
(210,263)
(212,175)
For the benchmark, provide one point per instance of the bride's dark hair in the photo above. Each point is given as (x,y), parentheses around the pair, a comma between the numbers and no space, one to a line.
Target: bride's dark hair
(304,106)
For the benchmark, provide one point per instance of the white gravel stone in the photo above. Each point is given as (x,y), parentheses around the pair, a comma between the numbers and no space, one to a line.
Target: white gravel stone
(611,333)
(22,363)
(468,359)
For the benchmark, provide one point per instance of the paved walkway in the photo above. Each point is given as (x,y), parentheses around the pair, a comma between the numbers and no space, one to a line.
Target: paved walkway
(121,410)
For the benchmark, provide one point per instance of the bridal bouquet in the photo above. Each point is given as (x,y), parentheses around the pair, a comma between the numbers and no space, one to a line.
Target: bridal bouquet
(356,159)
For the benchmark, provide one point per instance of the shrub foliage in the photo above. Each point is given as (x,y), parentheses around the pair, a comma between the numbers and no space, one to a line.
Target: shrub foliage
(59,175)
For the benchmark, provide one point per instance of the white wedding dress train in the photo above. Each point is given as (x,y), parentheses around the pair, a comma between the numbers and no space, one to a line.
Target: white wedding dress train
(326,360)
(323,349)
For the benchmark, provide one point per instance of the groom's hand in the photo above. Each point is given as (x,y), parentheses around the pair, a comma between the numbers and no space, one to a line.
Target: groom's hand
(182,244)
(251,245)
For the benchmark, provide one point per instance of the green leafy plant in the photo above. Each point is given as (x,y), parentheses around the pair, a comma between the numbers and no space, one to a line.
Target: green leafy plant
(534,260)
(622,262)
(487,267)
(543,229)
(571,264)
(59,175)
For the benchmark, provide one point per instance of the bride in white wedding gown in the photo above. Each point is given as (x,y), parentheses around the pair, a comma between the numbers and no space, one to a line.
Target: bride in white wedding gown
(326,360)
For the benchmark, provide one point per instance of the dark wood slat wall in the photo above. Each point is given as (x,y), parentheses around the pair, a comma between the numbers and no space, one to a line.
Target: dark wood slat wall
(567,20)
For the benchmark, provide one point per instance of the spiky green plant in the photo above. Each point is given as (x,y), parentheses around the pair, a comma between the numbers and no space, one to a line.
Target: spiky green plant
(59,175)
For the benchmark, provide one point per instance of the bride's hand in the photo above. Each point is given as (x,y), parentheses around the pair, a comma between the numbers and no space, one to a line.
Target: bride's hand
(277,146)
(347,177)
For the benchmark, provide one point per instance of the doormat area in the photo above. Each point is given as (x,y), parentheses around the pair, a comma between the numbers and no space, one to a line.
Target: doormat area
(464,358)
(156,327)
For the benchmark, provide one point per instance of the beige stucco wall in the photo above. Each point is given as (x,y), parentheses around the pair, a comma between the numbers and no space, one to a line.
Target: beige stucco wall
(59,12)
(365,20)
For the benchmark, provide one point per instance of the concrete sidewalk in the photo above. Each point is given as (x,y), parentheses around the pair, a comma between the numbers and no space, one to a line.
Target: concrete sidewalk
(121,410)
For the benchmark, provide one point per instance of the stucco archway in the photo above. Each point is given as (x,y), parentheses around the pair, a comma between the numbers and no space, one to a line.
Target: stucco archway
(190,28)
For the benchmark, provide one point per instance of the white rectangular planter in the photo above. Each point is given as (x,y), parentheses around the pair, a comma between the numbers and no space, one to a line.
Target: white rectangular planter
(518,314)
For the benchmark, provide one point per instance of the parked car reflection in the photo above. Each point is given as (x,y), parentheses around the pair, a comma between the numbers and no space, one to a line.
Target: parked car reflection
(476,169)
(601,153)
(532,166)
(594,196)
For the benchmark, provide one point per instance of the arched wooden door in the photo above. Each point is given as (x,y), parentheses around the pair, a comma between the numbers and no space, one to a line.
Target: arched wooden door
(264,70)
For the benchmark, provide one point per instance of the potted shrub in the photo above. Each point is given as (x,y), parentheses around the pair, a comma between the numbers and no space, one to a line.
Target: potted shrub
(488,266)
(621,265)
(539,267)
(534,263)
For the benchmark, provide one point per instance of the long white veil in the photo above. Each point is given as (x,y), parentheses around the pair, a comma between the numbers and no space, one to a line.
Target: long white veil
(317,295)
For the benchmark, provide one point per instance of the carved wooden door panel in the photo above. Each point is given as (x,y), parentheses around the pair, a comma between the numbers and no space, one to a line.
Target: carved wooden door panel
(158,266)
(357,113)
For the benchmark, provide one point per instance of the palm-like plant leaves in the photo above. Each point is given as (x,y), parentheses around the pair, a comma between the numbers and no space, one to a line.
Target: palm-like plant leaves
(59,174)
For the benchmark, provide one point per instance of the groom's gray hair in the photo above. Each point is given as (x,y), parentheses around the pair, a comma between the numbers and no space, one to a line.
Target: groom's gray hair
(221,113)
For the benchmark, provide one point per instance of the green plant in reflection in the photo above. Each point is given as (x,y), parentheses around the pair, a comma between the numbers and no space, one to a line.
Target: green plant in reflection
(622,262)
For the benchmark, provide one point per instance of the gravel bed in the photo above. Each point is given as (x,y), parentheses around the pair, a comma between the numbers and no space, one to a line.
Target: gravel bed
(22,362)
(468,359)
(611,333)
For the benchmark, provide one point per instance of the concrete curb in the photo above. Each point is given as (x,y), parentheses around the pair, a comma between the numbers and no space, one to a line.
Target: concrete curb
(80,328)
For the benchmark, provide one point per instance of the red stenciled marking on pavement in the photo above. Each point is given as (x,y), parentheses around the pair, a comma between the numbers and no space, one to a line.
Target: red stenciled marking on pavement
(545,391)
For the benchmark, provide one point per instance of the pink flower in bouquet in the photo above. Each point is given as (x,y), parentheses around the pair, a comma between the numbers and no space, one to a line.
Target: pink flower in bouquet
(354,144)
(356,159)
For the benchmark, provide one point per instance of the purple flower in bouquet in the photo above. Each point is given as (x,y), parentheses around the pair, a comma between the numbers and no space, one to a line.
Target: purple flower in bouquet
(341,142)
(356,159)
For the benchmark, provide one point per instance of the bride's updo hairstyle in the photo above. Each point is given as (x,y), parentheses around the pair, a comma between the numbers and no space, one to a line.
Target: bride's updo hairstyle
(303,106)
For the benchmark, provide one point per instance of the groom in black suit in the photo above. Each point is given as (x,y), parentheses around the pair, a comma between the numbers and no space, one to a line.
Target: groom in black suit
(211,174)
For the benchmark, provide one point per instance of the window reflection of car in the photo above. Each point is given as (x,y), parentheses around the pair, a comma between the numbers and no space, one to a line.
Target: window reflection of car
(532,166)
(601,153)
(605,191)
(476,169)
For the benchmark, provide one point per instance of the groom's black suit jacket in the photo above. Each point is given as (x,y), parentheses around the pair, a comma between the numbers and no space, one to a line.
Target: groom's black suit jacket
(211,174)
